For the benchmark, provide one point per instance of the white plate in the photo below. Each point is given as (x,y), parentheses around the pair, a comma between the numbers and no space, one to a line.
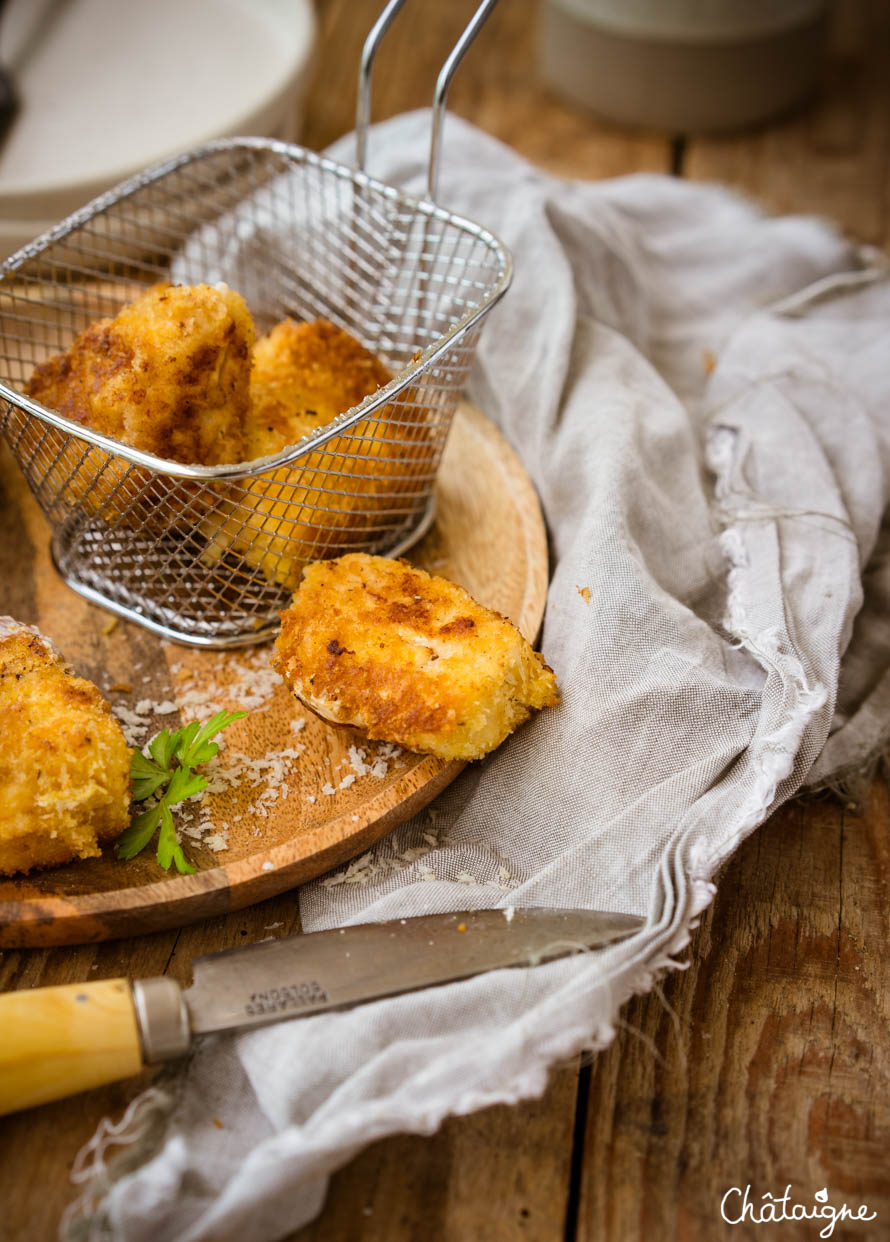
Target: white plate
(109,87)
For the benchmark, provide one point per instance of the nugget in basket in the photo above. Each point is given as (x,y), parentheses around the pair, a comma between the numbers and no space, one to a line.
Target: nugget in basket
(192,536)
(169,375)
(304,375)
(408,658)
(179,373)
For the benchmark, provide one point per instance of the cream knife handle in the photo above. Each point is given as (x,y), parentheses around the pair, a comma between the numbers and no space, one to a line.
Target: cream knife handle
(55,1042)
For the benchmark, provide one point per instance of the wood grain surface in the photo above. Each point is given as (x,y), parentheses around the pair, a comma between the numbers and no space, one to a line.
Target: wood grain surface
(488,535)
(767,1060)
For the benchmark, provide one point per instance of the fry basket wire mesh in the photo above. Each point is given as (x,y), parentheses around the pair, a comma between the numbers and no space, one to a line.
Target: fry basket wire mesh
(209,555)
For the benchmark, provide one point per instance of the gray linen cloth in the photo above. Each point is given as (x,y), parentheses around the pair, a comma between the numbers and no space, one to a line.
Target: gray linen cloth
(700,394)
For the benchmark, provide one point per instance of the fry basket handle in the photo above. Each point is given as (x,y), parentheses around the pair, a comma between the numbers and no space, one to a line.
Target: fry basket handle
(443,82)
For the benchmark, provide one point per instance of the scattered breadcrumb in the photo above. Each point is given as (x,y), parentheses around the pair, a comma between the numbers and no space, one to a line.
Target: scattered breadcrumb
(240,681)
(387,859)
(250,681)
(146,707)
(357,757)
(133,726)
(267,772)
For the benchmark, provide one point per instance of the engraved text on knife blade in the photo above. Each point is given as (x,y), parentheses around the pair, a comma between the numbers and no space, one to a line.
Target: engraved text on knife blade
(286,997)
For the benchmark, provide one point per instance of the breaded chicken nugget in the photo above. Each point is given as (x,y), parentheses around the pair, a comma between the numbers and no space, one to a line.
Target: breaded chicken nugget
(64,763)
(169,375)
(408,658)
(304,376)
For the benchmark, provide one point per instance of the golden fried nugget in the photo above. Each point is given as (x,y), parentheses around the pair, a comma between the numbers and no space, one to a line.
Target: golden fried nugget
(64,763)
(408,658)
(169,375)
(305,375)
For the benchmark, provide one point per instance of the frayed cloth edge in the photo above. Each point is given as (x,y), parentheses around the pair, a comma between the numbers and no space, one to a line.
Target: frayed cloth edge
(140,1129)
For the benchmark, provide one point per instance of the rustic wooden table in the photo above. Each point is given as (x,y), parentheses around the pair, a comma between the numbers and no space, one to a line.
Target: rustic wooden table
(767,1061)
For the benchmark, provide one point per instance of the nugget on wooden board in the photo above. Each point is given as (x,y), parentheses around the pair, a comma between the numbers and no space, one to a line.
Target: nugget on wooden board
(64,763)
(409,658)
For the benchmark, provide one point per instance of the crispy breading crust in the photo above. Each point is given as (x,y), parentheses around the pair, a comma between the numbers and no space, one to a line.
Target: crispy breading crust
(408,658)
(169,375)
(305,375)
(178,373)
(64,763)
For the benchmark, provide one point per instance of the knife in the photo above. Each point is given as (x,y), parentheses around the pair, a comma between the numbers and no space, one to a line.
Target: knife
(57,1041)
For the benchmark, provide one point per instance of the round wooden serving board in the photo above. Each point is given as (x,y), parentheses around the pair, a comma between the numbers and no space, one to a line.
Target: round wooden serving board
(299,801)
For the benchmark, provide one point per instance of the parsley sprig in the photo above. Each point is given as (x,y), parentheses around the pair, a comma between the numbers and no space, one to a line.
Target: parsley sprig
(169,766)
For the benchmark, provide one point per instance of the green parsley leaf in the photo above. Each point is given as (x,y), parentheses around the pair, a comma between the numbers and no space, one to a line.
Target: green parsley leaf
(158,749)
(184,784)
(169,849)
(147,776)
(141,765)
(186,736)
(168,767)
(143,789)
(135,838)
(199,743)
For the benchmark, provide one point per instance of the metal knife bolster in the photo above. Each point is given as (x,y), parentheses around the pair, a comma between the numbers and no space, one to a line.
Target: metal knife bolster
(162,1018)
(301,975)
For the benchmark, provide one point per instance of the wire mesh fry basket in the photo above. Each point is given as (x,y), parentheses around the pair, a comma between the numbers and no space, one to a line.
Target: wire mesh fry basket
(208,555)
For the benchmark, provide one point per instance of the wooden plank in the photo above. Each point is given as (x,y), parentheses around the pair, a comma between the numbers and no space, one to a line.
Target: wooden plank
(767,1062)
(832,158)
(498,86)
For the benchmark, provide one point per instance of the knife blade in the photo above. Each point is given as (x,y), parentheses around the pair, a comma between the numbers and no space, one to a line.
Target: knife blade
(57,1041)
